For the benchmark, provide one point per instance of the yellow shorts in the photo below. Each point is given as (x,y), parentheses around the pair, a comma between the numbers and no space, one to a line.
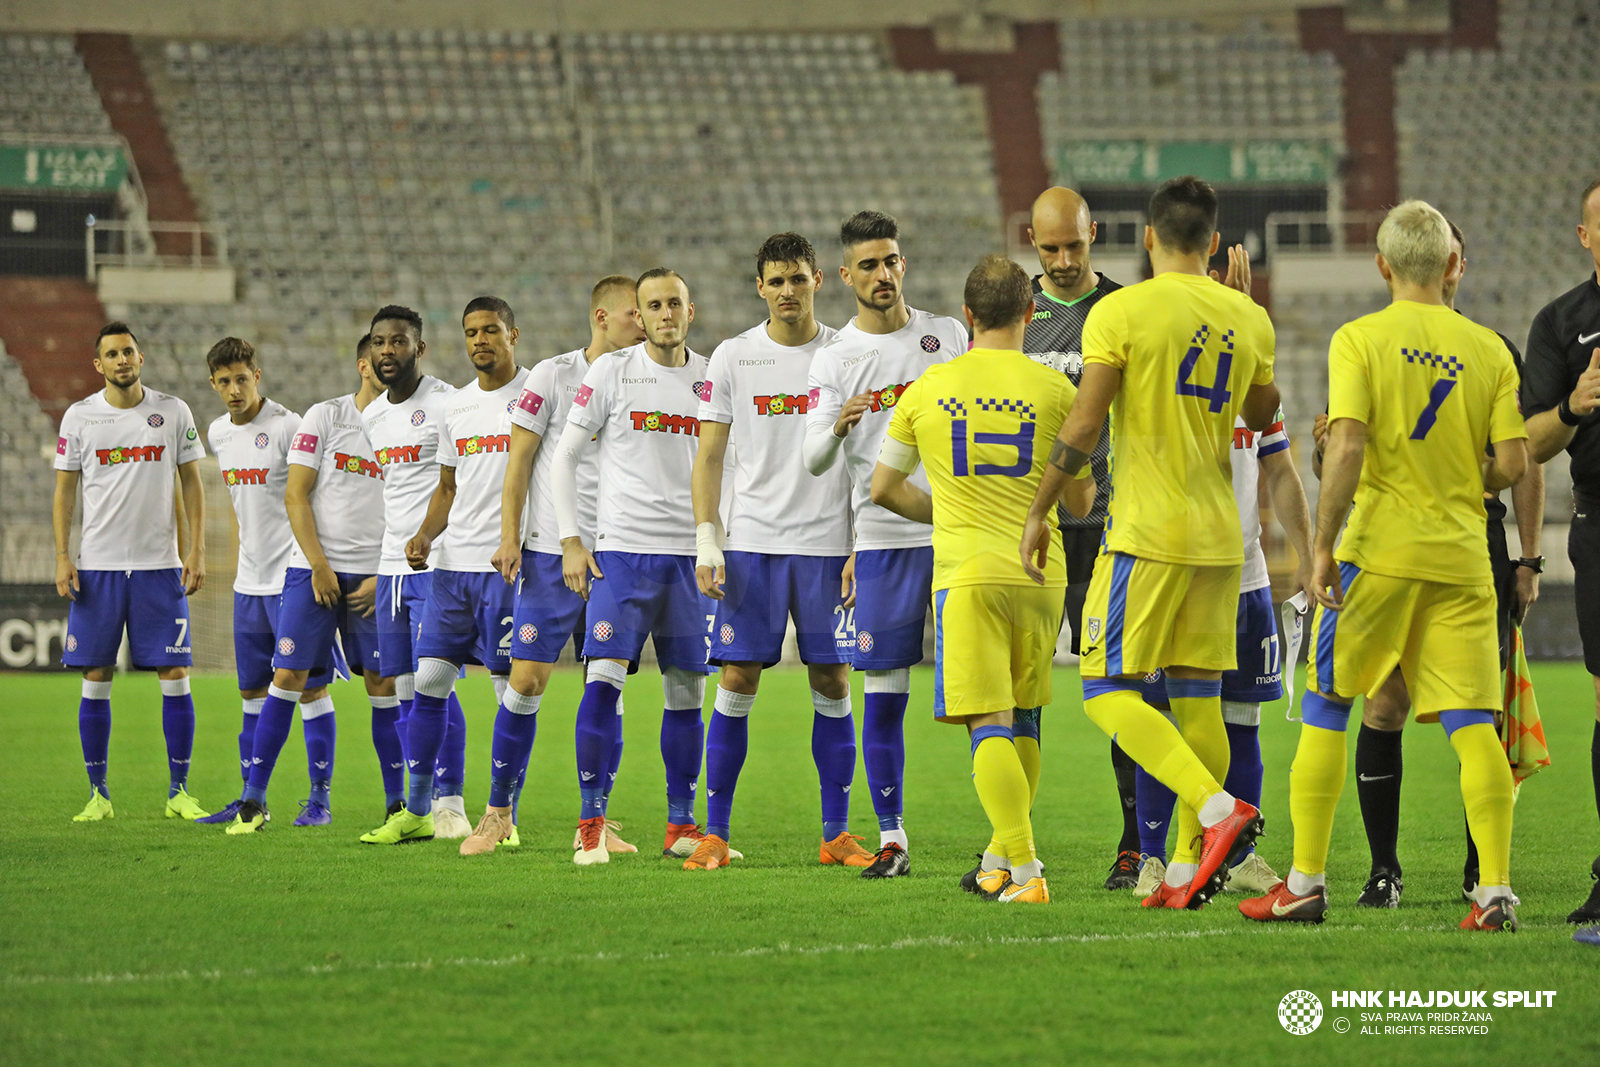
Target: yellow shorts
(993,646)
(1143,615)
(1443,638)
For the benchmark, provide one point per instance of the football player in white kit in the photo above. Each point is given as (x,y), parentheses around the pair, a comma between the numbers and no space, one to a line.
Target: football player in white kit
(856,379)
(785,548)
(403,426)
(642,404)
(333,494)
(548,614)
(124,444)
(467,617)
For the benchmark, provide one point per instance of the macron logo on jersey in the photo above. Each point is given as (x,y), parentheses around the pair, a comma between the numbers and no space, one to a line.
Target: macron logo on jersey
(399,454)
(129,454)
(782,404)
(305,442)
(652,421)
(494,442)
(530,402)
(356,465)
(245,476)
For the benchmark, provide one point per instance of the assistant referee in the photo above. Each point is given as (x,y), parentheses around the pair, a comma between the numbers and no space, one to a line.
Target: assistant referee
(1560,398)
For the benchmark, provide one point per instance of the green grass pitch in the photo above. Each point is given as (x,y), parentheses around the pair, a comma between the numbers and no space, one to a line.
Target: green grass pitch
(143,941)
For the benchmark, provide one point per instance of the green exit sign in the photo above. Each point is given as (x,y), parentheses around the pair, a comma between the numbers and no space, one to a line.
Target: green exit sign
(62,168)
(1218,162)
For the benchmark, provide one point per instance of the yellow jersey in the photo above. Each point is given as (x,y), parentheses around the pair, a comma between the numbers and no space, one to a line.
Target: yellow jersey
(1433,388)
(1189,349)
(983,424)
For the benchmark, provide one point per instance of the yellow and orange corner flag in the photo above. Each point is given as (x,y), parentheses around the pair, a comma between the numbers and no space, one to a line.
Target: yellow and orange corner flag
(1521,732)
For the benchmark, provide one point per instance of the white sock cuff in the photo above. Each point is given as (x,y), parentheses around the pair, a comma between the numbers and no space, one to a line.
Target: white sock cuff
(1301,883)
(96,690)
(734,705)
(252,705)
(619,702)
(682,689)
(607,670)
(500,682)
(316,709)
(405,686)
(895,681)
(385,702)
(174,687)
(436,677)
(520,704)
(1238,713)
(283,694)
(833,708)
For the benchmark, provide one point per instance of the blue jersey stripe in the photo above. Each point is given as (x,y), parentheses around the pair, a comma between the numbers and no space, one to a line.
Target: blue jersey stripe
(1327,627)
(1121,571)
(938,653)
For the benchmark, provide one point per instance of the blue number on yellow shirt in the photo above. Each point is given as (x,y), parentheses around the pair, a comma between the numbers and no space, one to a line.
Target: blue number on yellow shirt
(1430,414)
(1022,441)
(1217,392)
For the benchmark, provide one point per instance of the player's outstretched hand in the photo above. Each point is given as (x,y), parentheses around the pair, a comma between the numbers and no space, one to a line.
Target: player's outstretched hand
(417,550)
(851,413)
(1325,584)
(577,564)
(1035,547)
(1238,270)
(710,580)
(325,586)
(1586,397)
(194,573)
(847,582)
(364,597)
(1304,582)
(507,559)
(66,578)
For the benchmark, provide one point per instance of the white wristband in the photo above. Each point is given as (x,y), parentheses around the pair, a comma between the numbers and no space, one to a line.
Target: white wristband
(708,545)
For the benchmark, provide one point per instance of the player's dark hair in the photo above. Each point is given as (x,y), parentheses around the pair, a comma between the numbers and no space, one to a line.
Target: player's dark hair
(1184,214)
(1457,236)
(659,272)
(494,304)
(1583,201)
(110,329)
(363,344)
(228,351)
(998,292)
(403,314)
(868,226)
(784,248)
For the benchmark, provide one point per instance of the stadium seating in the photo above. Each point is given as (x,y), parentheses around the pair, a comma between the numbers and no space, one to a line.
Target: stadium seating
(44,88)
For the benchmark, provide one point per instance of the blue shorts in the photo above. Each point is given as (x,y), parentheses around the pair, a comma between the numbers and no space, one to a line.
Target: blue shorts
(400,601)
(760,594)
(306,629)
(548,614)
(150,604)
(1258,679)
(893,589)
(255,638)
(649,595)
(468,620)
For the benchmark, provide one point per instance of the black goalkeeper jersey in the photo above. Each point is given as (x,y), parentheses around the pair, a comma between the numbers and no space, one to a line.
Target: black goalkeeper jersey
(1055,338)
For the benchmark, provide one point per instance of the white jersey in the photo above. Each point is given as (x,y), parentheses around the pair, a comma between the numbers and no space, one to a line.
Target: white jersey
(646,418)
(347,501)
(883,365)
(1248,448)
(543,408)
(127,459)
(255,467)
(762,389)
(405,442)
(476,441)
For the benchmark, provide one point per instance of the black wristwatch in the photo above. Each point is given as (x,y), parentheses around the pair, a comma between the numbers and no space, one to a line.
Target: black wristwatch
(1533,563)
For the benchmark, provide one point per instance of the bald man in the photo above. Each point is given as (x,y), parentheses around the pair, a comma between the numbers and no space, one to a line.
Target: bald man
(1062,231)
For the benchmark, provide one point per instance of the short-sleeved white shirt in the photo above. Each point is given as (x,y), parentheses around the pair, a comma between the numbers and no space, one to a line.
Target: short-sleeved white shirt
(405,442)
(347,501)
(543,408)
(762,389)
(476,441)
(647,419)
(882,364)
(254,459)
(127,459)
(1248,448)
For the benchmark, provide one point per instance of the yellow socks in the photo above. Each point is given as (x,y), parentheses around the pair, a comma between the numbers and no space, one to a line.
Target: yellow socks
(1197,705)
(1315,781)
(1152,742)
(1486,788)
(1003,790)
(1025,735)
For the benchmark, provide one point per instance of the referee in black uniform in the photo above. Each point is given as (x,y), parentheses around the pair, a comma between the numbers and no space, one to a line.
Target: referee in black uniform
(1061,232)
(1560,396)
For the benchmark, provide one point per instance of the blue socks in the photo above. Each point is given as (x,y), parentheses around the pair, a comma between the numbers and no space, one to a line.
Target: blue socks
(883,737)
(247,733)
(177,723)
(450,765)
(1244,765)
(391,754)
(595,738)
(833,749)
(515,725)
(272,730)
(425,732)
(318,722)
(1155,813)
(682,735)
(616,762)
(727,742)
(94,731)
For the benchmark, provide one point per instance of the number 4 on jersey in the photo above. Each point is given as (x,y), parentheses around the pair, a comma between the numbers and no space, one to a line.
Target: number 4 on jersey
(1217,392)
